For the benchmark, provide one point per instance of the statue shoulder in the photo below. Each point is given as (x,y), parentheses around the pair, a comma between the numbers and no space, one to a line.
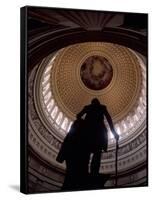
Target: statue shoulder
(103,106)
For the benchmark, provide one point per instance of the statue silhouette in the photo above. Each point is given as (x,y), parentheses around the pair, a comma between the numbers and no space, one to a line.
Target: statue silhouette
(88,135)
(96,131)
(75,156)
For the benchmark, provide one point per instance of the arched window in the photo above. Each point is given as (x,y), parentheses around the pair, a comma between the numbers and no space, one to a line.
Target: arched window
(64,124)
(54,112)
(50,105)
(47,97)
(45,88)
(59,118)
(46,78)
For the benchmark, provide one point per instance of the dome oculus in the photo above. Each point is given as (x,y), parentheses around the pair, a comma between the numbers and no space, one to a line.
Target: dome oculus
(96,72)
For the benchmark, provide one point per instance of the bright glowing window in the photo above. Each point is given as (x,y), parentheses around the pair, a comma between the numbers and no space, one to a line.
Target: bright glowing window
(69,126)
(118,130)
(54,112)
(124,125)
(59,118)
(50,105)
(46,78)
(48,69)
(47,97)
(64,124)
(136,117)
(110,134)
(46,88)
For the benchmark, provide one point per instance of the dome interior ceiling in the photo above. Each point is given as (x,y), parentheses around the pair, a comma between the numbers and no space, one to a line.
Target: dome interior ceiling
(70,92)
(118,79)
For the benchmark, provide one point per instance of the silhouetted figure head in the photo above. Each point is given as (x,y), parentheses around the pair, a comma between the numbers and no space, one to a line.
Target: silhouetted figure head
(95,101)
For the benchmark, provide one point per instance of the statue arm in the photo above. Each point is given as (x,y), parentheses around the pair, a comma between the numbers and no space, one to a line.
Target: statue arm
(81,113)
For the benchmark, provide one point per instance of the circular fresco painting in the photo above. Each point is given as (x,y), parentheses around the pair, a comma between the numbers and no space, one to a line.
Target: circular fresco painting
(96,72)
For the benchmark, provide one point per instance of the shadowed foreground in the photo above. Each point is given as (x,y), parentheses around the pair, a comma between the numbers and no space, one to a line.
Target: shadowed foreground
(88,135)
(86,183)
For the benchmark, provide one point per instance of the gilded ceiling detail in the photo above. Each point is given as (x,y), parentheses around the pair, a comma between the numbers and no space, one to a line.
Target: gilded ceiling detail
(114,73)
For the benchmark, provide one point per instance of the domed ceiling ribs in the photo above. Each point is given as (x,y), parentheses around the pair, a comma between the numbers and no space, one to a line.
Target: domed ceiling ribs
(72,18)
